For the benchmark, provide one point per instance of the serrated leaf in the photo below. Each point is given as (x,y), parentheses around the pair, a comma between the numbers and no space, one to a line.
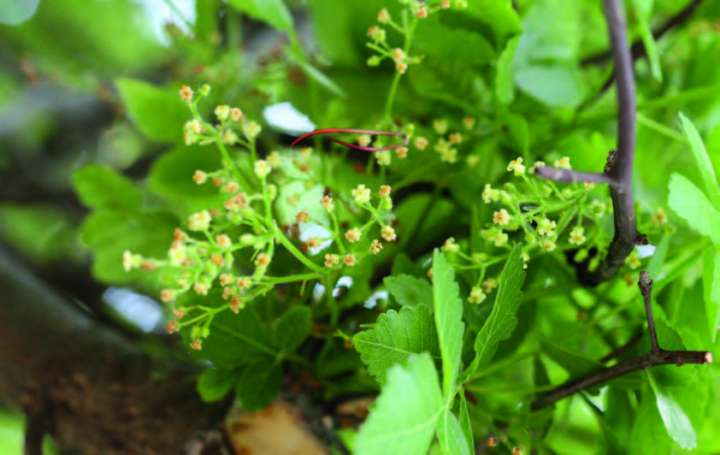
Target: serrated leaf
(100,187)
(156,111)
(702,159)
(395,337)
(258,385)
(676,421)
(450,434)
(291,329)
(502,319)
(409,290)
(448,320)
(214,384)
(404,416)
(272,12)
(693,206)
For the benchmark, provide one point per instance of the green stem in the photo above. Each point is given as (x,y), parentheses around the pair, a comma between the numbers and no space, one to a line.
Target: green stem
(292,249)
(409,32)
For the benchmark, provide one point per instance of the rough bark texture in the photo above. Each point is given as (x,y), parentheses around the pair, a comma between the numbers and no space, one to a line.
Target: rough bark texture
(89,387)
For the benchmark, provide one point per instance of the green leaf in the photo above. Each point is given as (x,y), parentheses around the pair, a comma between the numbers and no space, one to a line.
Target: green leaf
(465,421)
(693,206)
(502,320)
(409,290)
(504,84)
(643,14)
(43,232)
(272,12)
(292,328)
(157,112)
(448,320)
(171,178)
(109,233)
(554,84)
(711,283)
(451,436)
(257,385)
(100,187)
(236,339)
(676,421)
(214,384)
(405,415)
(702,159)
(395,337)
(297,196)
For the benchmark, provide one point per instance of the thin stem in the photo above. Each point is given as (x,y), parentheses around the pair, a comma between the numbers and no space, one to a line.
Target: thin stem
(410,31)
(645,284)
(292,249)
(570,176)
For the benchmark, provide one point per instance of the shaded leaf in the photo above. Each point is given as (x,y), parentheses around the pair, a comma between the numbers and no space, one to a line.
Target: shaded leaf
(214,384)
(448,320)
(100,187)
(693,206)
(409,290)
(676,421)
(396,336)
(702,159)
(157,112)
(257,385)
(272,12)
(292,328)
(502,319)
(451,436)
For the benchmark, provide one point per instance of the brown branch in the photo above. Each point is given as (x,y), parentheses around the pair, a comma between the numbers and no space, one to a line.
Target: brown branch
(570,176)
(619,167)
(84,384)
(638,48)
(655,357)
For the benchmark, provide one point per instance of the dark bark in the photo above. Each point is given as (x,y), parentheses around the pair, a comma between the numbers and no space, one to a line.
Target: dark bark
(619,168)
(87,386)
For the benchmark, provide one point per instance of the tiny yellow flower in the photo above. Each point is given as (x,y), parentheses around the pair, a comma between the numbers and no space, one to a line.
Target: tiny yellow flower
(469,122)
(421,143)
(361,194)
(376,34)
(383,158)
(327,203)
(401,152)
(455,138)
(251,130)
(546,227)
(364,140)
(199,221)
(262,168)
(476,295)
(450,246)
(236,114)
(548,245)
(563,163)
(375,246)
(349,260)
(501,217)
(201,288)
(383,16)
(577,235)
(262,260)
(659,218)
(353,235)
(274,159)
(384,190)
(516,166)
(440,126)
(222,112)
(388,233)
(186,93)
(331,260)
(199,177)
(490,194)
(489,284)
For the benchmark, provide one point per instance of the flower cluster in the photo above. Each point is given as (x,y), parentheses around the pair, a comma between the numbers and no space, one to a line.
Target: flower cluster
(411,12)
(222,257)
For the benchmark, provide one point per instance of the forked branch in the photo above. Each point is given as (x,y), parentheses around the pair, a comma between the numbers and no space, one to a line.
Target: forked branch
(656,356)
(619,168)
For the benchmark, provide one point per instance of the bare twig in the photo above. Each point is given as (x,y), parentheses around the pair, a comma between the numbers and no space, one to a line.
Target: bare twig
(570,176)
(655,357)
(645,285)
(619,167)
